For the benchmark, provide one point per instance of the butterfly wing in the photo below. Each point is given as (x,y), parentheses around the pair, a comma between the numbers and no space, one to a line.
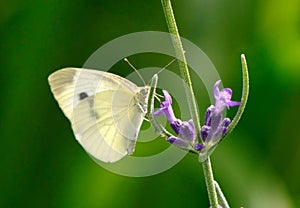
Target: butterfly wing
(106,111)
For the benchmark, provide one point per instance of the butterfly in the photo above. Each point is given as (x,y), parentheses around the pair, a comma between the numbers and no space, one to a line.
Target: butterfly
(106,111)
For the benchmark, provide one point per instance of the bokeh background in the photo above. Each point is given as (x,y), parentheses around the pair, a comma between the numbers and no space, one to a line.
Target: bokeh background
(43,166)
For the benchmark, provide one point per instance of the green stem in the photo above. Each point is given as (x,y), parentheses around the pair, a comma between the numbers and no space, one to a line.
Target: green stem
(221,196)
(172,26)
(209,180)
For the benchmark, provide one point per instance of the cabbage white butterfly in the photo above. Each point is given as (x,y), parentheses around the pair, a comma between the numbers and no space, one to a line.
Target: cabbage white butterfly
(106,111)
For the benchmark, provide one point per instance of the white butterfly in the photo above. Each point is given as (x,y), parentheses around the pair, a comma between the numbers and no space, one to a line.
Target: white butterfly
(106,111)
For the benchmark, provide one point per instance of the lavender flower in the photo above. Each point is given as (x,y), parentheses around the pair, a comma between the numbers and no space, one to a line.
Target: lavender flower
(223,97)
(215,126)
(184,129)
(166,108)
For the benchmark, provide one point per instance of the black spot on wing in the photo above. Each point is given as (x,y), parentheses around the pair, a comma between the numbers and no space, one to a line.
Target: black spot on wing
(83,95)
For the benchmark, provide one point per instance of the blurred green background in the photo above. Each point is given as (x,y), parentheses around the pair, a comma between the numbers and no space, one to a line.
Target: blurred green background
(43,166)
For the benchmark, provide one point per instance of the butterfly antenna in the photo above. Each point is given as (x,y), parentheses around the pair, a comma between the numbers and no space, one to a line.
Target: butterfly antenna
(171,62)
(158,96)
(140,76)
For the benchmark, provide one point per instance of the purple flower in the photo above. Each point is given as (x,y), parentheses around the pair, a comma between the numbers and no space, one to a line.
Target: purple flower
(215,126)
(184,129)
(223,97)
(166,108)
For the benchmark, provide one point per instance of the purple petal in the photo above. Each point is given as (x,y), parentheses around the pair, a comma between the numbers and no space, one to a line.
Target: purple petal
(176,125)
(171,139)
(187,131)
(166,108)
(158,112)
(199,146)
(179,142)
(232,103)
(204,132)
(191,123)
(224,125)
(224,130)
(170,114)
(226,122)
(218,134)
(208,113)
(226,94)
(216,89)
(223,97)
(168,98)
(216,119)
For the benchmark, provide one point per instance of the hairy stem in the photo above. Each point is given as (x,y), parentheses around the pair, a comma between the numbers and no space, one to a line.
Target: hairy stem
(221,196)
(172,26)
(209,180)
(170,19)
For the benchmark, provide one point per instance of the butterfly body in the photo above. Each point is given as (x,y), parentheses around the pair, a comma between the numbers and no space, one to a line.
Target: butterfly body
(106,111)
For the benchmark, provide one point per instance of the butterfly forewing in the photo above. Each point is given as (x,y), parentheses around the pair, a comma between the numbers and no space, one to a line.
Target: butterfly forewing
(106,111)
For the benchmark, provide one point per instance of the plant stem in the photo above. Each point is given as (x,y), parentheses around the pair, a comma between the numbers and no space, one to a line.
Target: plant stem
(209,180)
(221,196)
(172,26)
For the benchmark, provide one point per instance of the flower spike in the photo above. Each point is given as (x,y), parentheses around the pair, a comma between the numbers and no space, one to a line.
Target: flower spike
(215,125)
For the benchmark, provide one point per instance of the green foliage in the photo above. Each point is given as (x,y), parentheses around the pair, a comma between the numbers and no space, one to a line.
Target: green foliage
(43,166)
